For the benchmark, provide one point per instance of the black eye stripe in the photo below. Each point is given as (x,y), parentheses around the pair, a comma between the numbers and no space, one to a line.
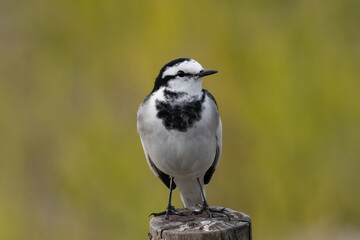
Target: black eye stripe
(170,77)
(183,74)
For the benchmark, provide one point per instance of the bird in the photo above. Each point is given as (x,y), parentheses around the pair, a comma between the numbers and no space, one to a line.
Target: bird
(181,133)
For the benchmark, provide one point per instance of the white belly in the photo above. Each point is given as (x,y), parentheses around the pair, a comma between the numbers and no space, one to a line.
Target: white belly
(180,157)
(182,154)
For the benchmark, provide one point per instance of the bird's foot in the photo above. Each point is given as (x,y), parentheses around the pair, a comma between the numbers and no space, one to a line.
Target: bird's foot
(209,210)
(170,210)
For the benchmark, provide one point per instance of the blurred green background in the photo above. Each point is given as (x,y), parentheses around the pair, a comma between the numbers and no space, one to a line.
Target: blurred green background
(73,74)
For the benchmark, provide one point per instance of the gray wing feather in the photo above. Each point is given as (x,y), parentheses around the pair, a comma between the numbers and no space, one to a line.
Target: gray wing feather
(215,164)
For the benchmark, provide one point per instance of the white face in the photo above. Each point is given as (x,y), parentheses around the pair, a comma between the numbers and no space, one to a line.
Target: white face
(186,79)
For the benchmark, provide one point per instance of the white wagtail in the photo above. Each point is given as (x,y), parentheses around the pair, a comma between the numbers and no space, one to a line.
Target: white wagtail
(181,132)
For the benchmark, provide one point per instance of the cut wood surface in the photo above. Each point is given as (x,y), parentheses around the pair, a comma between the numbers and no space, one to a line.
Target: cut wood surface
(228,224)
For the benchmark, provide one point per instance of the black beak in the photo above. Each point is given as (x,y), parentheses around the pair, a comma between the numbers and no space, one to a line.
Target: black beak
(206,72)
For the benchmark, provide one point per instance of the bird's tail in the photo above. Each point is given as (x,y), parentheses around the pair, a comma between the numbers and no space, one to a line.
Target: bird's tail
(190,192)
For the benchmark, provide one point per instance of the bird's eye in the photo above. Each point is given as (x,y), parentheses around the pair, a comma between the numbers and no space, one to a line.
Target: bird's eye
(180,73)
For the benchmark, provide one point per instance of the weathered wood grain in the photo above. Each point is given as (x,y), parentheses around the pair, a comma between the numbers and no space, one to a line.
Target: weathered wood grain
(227,225)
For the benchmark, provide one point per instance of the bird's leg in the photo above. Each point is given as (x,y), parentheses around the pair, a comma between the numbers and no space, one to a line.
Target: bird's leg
(205,207)
(169,209)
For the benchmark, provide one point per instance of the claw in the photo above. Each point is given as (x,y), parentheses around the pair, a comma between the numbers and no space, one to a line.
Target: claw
(157,214)
(169,211)
(203,209)
(209,210)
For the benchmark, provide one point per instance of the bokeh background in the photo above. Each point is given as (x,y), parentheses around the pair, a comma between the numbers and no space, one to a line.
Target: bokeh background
(73,73)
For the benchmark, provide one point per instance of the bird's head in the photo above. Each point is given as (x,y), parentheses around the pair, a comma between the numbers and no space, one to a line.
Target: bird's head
(182,74)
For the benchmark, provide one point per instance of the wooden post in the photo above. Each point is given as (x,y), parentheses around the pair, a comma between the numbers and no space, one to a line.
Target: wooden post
(228,224)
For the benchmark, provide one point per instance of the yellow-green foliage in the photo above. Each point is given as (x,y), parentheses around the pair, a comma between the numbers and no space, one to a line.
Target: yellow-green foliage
(73,73)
